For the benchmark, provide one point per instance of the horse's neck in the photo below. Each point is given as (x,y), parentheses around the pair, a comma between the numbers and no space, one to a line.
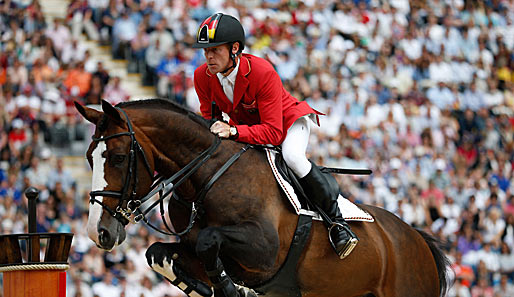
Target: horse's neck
(176,143)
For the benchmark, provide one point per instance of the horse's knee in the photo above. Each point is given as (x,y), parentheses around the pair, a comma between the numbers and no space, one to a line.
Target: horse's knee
(158,253)
(160,256)
(208,243)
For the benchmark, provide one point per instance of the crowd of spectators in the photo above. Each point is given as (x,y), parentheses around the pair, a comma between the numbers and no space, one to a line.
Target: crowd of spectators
(421,92)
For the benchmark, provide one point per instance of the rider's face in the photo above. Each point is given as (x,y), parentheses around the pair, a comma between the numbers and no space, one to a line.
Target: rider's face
(218,58)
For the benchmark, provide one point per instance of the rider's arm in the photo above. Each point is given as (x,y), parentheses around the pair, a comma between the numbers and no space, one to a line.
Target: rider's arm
(205,100)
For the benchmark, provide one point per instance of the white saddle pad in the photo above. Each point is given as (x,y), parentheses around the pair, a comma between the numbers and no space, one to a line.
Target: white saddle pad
(349,210)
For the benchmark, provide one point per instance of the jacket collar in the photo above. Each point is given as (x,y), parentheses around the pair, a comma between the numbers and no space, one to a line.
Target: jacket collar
(241,82)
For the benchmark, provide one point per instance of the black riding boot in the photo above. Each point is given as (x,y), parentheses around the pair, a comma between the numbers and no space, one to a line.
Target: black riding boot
(320,189)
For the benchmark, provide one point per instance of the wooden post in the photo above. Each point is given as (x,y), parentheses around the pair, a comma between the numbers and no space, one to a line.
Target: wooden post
(34,278)
(35,283)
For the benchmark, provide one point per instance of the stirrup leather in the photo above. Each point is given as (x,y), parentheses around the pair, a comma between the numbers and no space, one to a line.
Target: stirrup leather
(350,244)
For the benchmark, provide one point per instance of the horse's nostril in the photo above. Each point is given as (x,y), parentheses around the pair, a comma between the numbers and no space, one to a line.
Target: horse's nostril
(104,237)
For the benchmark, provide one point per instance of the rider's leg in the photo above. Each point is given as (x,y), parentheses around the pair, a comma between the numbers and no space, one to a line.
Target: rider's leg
(316,185)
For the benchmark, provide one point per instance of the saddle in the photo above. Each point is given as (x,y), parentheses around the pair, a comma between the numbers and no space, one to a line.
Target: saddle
(292,189)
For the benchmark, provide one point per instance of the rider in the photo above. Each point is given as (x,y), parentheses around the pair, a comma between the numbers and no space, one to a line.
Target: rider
(261,111)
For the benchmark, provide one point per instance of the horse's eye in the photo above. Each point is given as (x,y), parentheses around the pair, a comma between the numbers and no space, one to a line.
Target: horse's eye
(118,159)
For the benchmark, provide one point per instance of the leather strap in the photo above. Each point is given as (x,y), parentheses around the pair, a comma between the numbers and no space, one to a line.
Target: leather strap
(285,282)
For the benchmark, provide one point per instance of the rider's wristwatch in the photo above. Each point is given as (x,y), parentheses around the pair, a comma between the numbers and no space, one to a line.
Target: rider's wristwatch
(233,132)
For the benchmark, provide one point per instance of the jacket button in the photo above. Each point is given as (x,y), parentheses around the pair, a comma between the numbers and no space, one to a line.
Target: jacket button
(236,110)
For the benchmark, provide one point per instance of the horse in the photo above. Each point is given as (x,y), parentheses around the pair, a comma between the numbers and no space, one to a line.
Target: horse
(244,226)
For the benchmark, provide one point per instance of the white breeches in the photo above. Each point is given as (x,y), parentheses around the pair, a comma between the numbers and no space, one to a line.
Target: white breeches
(294,146)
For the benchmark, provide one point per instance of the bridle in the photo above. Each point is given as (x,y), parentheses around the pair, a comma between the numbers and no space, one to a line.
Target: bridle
(132,211)
(121,213)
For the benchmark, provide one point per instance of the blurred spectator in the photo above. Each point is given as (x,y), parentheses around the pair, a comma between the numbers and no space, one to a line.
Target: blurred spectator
(79,288)
(101,73)
(167,67)
(493,226)
(95,93)
(73,52)
(36,174)
(462,271)
(108,18)
(17,136)
(482,289)
(467,240)
(18,75)
(201,11)
(114,93)
(107,287)
(440,178)
(162,35)
(180,82)
(9,189)
(61,176)
(59,34)
(506,259)
(82,19)
(138,46)
(441,96)
(472,98)
(78,80)
(153,57)
(93,265)
(459,290)
(287,67)
(123,31)
(430,84)
(433,193)
(504,288)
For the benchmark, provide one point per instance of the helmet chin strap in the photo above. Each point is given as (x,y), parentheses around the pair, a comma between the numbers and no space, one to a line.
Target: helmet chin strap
(233,58)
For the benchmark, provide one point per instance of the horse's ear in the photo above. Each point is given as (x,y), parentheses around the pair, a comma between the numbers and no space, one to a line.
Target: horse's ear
(88,113)
(111,112)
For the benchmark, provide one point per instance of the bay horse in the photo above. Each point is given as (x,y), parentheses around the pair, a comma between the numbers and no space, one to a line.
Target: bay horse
(245,222)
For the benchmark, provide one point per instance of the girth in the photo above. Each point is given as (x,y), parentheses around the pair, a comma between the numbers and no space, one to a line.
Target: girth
(285,282)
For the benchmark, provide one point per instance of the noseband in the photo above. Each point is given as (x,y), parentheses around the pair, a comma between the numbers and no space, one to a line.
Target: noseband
(122,214)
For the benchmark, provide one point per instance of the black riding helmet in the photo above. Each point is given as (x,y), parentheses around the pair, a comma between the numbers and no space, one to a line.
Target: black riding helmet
(221,29)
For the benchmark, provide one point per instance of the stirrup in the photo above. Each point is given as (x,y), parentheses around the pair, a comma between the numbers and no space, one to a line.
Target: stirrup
(350,244)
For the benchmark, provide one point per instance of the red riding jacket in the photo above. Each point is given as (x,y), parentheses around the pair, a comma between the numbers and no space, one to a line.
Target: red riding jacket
(262,110)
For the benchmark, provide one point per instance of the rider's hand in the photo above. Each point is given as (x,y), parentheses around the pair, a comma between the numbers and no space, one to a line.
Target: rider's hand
(222,129)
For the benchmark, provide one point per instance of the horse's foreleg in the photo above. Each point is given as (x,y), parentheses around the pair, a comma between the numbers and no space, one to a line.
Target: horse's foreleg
(252,245)
(171,260)
(207,248)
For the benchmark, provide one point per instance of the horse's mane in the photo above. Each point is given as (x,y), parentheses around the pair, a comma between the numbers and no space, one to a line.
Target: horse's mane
(157,103)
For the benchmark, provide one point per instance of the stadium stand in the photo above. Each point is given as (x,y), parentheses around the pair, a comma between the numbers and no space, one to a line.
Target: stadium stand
(422,92)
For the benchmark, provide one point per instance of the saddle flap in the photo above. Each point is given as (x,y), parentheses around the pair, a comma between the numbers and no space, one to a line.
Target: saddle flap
(290,186)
